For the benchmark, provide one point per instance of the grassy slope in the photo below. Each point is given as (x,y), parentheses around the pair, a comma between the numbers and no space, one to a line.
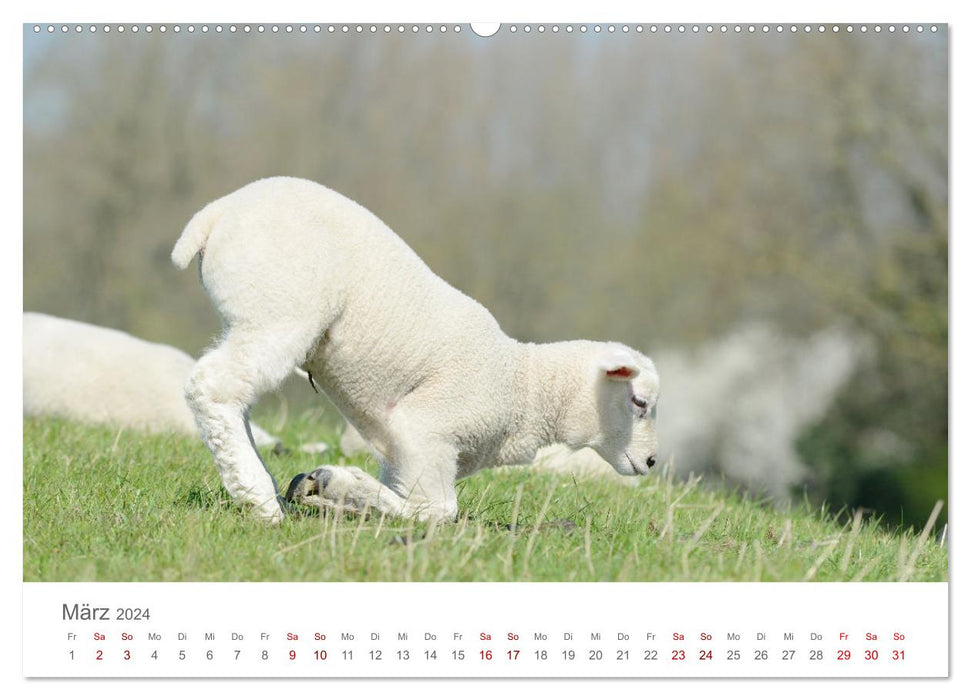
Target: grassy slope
(99,505)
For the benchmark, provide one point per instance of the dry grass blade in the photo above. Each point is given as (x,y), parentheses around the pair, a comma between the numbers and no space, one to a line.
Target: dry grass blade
(514,521)
(336,515)
(299,544)
(699,533)
(669,515)
(854,534)
(629,560)
(586,546)
(704,526)
(811,574)
(429,542)
(410,550)
(507,561)
(741,556)
(864,571)
(463,525)
(531,541)
(764,562)
(482,496)
(477,541)
(925,533)
(381,520)
(114,445)
(357,533)
(901,558)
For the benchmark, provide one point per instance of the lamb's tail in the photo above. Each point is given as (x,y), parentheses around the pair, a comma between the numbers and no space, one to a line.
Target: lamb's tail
(194,236)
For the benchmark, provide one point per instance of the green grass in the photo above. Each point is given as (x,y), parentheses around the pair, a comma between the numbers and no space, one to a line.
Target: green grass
(109,506)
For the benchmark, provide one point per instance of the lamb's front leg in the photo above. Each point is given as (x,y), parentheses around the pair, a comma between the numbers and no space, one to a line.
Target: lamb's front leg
(356,491)
(423,473)
(349,488)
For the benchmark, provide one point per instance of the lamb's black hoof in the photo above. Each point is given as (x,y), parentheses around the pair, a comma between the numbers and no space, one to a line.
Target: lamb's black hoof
(292,489)
(311,484)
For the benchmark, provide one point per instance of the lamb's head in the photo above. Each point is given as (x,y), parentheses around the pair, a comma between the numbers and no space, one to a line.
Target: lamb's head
(617,416)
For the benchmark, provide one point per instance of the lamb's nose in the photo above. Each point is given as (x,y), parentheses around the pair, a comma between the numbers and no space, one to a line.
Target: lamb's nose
(650,461)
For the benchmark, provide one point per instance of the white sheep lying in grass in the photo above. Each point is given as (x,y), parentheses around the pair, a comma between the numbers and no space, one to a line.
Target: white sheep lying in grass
(99,375)
(584,463)
(304,276)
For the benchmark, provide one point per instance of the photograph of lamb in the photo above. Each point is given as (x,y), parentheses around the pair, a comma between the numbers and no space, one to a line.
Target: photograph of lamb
(583,302)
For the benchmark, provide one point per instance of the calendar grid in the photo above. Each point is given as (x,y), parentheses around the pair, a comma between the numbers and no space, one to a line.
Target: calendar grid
(485,630)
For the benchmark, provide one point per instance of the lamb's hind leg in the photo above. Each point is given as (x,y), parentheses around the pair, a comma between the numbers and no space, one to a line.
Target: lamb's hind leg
(220,390)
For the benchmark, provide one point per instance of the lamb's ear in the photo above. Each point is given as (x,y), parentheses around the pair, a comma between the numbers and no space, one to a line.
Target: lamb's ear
(619,366)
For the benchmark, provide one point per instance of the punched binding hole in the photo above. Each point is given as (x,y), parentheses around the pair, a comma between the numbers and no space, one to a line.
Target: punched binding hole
(485,29)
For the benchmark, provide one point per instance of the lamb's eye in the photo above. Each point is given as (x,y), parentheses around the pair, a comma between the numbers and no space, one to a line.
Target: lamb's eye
(639,402)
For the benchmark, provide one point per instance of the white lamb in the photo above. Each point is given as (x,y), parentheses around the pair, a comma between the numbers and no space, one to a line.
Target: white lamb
(777,385)
(304,276)
(99,375)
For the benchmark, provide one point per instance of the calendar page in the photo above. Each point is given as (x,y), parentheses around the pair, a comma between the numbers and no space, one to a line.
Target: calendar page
(557,350)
